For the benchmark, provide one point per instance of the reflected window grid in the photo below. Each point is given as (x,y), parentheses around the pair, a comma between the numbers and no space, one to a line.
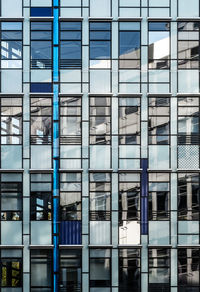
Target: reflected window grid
(41,197)
(188,45)
(100,197)
(70,45)
(100,120)
(70,120)
(129,45)
(41,120)
(41,45)
(70,196)
(11,120)
(11,190)
(159,45)
(159,121)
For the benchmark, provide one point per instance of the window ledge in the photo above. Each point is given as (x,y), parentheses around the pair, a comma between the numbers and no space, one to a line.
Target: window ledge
(71,170)
(100,245)
(42,18)
(159,170)
(188,18)
(130,94)
(100,170)
(11,94)
(70,246)
(11,18)
(159,18)
(71,94)
(159,94)
(129,246)
(188,170)
(42,246)
(100,18)
(11,170)
(50,170)
(8,246)
(40,93)
(129,18)
(100,94)
(188,246)
(159,246)
(70,18)
(129,170)
(188,94)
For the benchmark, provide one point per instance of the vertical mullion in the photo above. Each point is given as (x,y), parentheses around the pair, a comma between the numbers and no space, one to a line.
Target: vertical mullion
(55,146)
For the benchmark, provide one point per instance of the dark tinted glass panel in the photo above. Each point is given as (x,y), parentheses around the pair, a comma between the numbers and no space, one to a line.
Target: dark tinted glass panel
(11,272)
(41,25)
(129,42)
(70,35)
(70,50)
(158,26)
(41,35)
(100,26)
(11,35)
(70,26)
(100,50)
(100,35)
(41,268)
(41,50)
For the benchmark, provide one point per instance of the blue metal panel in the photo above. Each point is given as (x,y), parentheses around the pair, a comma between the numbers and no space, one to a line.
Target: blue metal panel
(144,197)
(55,146)
(41,87)
(41,11)
(70,232)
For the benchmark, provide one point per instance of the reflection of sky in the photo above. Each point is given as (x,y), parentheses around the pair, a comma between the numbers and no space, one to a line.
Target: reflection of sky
(129,42)
(157,36)
(160,48)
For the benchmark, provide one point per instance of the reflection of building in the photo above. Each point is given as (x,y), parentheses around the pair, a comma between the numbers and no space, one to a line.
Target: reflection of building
(99,146)
(159,53)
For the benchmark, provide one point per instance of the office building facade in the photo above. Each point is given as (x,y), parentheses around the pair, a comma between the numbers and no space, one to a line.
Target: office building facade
(100,131)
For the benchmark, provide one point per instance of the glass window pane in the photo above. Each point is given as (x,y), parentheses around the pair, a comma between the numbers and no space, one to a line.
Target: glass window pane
(11,50)
(100,50)
(41,50)
(70,50)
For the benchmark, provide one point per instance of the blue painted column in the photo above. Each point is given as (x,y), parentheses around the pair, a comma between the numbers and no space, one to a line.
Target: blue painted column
(144,197)
(55,146)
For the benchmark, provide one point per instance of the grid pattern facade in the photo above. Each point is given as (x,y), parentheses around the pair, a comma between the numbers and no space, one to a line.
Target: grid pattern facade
(99,145)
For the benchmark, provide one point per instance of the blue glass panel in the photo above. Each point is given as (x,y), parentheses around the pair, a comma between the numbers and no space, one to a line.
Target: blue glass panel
(11,26)
(11,50)
(100,26)
(100,35)
(100,50)
(70,26)
(41,11)
(41,25)
(159,26)
(129,26)
(70,35)
(41,35)
(11,35)
(70,232)
(70,50)
(41,87)
(129,42)
(41,50)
